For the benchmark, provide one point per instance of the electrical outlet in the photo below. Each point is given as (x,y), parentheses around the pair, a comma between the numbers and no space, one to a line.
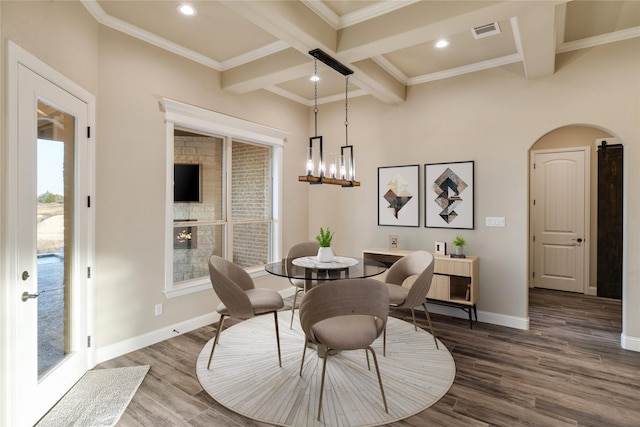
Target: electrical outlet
(495,221)
(158,309)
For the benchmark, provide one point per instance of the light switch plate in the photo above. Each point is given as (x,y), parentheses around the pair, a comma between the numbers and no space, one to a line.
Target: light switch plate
(495,221)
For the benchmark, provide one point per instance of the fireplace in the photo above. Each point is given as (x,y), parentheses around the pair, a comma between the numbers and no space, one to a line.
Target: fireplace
(185,237)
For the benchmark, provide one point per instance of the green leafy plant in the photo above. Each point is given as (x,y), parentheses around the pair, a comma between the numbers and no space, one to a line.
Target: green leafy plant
(459,241)
(324,238)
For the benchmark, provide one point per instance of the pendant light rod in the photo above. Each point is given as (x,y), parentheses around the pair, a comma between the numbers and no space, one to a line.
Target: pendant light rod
(330,61)
(346,179)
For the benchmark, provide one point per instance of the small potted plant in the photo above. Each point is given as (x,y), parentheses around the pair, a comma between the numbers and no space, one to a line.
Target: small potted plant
(325,254)
(459,243)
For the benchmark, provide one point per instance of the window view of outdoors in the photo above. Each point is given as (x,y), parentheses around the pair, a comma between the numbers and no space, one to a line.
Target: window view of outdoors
(55,162)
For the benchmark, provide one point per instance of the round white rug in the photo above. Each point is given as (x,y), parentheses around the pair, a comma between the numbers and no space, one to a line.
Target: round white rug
(245,377)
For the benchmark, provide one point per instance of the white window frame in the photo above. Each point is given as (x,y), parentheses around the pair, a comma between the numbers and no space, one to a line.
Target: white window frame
(178,114)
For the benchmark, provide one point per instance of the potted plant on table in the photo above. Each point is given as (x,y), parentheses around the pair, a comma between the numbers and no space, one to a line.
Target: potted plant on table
(325,254)
(459,243)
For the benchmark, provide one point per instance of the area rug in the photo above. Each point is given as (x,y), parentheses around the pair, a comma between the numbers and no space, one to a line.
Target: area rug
(98,399)
(245,377)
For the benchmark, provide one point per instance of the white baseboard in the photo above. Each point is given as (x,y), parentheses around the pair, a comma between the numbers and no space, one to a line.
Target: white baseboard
(483,316)
(131,344)
(630,343)
(136,343)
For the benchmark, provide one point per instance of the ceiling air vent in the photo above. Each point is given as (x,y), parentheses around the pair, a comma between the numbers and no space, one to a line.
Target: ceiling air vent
(486,30)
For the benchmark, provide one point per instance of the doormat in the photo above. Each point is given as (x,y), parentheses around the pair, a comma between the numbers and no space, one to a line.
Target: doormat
(98,399)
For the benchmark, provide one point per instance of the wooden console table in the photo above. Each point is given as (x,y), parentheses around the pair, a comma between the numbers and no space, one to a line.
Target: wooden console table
(455,280)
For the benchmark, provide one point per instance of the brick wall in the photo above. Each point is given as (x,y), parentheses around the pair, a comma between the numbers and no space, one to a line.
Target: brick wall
(251,199)
(207,152)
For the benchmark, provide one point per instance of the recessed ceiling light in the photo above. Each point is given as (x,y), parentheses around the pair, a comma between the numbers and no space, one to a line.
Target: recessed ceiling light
(187,10)
(314,78)
(442,43)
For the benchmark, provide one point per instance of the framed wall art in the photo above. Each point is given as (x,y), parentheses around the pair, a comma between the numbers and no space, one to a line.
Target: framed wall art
(399,195)
(449,192)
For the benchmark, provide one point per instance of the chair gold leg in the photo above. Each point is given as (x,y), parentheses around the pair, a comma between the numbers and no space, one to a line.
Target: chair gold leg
(293,307)
(384,341)
(215,341)
(304,351)
(375,362)
(275,316)
(424,304)
(366,351)
(413,315)
(324,368)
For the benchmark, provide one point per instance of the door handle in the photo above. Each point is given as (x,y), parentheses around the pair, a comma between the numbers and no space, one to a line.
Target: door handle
(27,296)
(578,240)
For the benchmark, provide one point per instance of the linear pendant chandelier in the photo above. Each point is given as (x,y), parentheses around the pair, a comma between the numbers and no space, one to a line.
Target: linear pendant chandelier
(342,170)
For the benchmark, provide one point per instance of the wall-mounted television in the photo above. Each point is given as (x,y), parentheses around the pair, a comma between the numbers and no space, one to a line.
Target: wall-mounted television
(186,183)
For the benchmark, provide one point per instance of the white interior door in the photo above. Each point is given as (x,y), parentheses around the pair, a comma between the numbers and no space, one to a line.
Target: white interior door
(560,209)
(52,245)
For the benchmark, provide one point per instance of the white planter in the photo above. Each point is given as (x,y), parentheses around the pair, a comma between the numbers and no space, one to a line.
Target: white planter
(325,255)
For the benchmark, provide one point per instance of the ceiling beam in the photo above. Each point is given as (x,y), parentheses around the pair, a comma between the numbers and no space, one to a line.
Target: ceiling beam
(304,31)
(288,64)
(535,31)
(417,23)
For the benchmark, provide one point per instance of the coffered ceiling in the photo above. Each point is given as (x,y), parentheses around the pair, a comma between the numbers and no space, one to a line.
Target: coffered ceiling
(389,44)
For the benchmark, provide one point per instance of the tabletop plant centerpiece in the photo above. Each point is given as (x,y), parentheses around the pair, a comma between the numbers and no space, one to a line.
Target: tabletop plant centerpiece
(458,243)
(325,254)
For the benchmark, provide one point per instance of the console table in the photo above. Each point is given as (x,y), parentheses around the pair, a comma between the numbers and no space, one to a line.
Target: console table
(455,280)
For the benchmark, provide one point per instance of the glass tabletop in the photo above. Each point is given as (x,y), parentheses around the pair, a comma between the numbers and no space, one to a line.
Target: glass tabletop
(353,269)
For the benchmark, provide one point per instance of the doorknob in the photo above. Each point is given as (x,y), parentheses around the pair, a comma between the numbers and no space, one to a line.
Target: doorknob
(26,296)
(25,275)
(579,240)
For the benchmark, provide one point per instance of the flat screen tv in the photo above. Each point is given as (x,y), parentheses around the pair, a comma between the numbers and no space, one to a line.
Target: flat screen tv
(186,183)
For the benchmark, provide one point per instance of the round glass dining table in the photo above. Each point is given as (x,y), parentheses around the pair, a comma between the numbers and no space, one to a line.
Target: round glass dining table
(310,270)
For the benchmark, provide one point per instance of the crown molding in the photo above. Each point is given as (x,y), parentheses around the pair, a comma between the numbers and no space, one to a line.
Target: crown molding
(373,11)
(353,18)
(616,36)
(391,69)
(458,71)
(117,24)
(254,55)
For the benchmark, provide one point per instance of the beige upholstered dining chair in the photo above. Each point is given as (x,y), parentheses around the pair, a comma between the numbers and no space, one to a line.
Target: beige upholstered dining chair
(346,314)
(239,297)
(298,250)
(419,263)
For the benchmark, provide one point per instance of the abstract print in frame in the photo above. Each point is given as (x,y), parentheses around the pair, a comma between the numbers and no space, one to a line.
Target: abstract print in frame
(399,195)
(449,192)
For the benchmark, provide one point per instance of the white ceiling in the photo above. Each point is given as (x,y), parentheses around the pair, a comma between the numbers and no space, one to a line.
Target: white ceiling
(264,44)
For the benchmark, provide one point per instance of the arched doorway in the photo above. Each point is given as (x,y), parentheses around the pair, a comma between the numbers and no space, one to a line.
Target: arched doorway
(603,207)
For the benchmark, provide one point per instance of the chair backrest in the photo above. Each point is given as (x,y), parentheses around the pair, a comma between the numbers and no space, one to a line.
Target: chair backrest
(230,283)
(418,263)
(342,298)
(302,249)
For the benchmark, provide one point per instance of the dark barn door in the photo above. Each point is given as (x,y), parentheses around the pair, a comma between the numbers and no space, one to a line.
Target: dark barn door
(610,231)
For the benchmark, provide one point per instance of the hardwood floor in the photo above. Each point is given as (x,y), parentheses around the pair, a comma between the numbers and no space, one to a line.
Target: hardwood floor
(567,370)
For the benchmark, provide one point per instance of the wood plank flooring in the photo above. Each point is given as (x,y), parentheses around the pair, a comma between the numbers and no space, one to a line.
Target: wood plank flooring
(567,370)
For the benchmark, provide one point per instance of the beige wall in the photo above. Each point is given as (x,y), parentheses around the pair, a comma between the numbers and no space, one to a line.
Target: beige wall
(133,75)
(492,117)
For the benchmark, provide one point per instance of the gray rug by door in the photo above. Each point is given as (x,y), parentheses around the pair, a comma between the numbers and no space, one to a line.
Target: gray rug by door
(98,399)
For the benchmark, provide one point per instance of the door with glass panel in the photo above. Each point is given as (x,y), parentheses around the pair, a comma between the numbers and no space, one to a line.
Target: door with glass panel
(51,246)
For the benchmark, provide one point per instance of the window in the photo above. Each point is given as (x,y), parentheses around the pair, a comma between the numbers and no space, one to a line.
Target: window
(235,164)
